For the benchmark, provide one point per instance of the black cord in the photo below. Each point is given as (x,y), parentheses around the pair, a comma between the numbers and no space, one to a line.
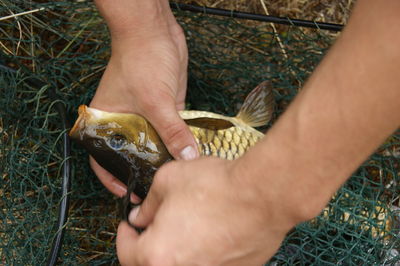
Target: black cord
(66,181)
(258,17)
(66,168)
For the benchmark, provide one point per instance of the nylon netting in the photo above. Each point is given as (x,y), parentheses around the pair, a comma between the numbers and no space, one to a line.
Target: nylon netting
(66,45)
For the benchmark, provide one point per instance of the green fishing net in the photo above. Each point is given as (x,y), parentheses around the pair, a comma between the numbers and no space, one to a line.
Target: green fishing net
(66,45)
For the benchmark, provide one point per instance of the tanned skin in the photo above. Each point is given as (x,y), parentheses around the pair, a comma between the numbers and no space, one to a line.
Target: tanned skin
(210,211)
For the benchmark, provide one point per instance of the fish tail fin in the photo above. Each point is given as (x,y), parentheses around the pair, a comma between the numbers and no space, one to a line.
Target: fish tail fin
(258,106)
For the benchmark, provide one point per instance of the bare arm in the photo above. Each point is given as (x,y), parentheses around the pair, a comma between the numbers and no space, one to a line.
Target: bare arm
(346,109)
(146,74)
(216,212)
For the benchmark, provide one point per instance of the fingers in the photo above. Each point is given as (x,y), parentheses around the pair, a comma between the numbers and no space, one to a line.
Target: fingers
(127,239)
(143,215)
(146,249)
(174,132)
(112,183)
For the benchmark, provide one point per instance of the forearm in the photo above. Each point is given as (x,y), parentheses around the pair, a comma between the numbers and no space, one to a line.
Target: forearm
(127,18)
(347,108)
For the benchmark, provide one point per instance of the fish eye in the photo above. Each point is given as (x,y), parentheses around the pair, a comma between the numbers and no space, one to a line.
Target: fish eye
(117,141)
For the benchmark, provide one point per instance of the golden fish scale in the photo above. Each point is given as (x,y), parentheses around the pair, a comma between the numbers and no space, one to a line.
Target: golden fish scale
(228,143)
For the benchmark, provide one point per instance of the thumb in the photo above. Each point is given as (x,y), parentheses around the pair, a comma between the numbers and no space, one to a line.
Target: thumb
(174,132)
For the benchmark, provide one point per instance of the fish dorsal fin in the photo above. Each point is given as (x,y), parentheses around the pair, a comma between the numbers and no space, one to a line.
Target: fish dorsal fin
(258,106)
(209,123)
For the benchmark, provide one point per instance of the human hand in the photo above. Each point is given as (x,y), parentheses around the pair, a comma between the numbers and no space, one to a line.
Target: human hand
(203,212)
(147,75)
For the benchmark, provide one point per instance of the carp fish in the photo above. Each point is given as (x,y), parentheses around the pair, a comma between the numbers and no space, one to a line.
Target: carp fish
(128,146)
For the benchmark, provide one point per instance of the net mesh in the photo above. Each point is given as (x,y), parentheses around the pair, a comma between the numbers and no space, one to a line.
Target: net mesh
(66,44)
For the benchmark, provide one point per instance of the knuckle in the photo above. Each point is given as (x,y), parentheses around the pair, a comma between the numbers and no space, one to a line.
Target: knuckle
(163,173)
(164,177)
(158,256)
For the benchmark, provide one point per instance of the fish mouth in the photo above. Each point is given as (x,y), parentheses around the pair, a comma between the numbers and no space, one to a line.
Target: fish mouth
(80,122)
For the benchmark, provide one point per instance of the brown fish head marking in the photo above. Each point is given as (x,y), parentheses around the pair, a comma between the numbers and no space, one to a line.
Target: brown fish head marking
(124,144)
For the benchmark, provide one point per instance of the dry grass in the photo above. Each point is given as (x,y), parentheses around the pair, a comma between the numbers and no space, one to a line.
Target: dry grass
(82,226)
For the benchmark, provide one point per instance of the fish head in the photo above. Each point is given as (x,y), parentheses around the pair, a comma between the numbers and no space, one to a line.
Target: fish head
(119,142)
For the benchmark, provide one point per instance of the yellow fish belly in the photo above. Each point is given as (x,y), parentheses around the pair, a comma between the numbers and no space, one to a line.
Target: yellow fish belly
(230,143)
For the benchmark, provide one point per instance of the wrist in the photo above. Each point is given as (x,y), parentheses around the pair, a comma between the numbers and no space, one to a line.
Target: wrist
(128,18)
(259,187)
(282,182)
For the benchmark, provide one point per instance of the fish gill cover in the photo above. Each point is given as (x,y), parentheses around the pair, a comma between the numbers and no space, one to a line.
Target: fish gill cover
(66,45)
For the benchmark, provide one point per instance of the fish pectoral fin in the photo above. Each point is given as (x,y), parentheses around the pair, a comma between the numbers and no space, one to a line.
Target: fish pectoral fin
(209,123)
(258,106)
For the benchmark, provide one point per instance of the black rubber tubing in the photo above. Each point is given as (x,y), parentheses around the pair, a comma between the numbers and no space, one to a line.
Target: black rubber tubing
(258,17)
(66,167)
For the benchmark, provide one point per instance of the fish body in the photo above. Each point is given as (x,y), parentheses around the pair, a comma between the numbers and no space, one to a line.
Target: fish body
(227,143)
(129,147)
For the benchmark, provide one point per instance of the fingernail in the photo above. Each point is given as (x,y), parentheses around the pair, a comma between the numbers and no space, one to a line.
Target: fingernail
(188,153)
(135,199)
(133,214)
